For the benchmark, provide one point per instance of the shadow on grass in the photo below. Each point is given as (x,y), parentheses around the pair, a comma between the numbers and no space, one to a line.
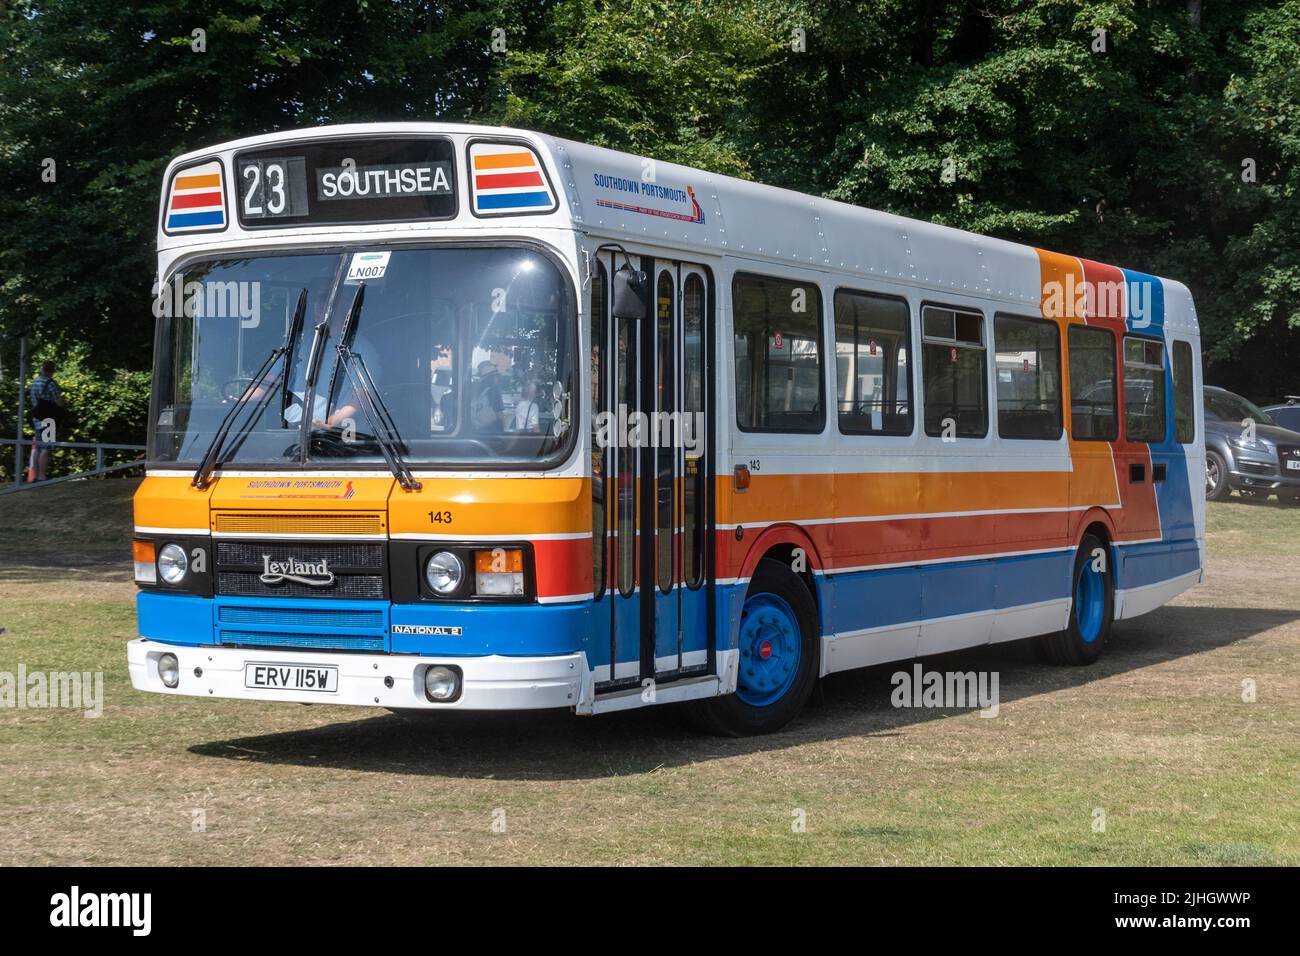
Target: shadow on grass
(555,745)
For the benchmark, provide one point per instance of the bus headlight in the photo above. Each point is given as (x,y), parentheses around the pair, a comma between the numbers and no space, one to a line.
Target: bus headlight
(441,684)
(444,572)
(169,669)
(172,563)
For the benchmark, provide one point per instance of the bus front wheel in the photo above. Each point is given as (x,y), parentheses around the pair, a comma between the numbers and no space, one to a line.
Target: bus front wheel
(1092,607)
(778,650)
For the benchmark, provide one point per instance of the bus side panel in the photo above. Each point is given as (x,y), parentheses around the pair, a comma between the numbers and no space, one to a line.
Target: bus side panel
(695,633)
(1150,574)
(873,616)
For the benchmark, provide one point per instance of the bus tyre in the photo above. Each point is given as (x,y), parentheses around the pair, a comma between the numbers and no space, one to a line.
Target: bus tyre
(778,664)
(1091,608)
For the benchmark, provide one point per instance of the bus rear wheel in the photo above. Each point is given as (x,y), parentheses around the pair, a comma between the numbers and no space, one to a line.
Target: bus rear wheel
(1091,608)
(778,657)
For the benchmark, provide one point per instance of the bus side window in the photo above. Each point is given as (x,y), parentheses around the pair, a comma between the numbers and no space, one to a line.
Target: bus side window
(1028,363)
(873,350)
(778,350)
(1144,389)
(1093,374)
(954,372)
(1184,395)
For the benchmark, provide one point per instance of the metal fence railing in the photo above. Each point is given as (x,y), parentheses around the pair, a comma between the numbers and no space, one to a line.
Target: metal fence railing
(100,467)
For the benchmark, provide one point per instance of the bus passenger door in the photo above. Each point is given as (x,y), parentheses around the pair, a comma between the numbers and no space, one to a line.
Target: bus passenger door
(679,465)
(651,478)
(622,477)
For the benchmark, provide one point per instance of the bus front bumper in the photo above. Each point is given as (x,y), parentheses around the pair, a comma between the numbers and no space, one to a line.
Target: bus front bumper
(362,680)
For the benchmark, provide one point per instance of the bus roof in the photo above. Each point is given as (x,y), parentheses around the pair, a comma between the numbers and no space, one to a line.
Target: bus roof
(624,197)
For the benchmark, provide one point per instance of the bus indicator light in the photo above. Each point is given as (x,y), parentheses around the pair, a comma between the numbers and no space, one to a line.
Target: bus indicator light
(142,555)
(499,572)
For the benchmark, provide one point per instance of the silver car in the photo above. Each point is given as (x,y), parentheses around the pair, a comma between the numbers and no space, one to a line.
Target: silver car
(1247,451)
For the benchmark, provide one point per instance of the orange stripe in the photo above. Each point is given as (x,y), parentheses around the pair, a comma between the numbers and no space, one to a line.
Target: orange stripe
(170,502)
(197,182)
(810,497)
(521,506)
(503,160)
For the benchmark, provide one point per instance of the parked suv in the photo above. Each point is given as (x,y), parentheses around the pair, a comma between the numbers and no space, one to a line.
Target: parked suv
(1247,451)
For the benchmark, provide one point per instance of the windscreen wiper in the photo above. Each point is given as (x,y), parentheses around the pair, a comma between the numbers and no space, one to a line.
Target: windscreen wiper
(210,457)
(291,344)
(381,420)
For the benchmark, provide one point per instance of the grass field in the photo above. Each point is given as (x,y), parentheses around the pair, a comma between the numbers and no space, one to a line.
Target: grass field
(1156,736)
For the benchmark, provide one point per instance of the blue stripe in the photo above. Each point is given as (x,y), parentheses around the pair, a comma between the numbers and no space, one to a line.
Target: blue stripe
(512,200)
(1142,564)
(1174,494)
(862,599)
(183,220)
(509,629)
(174,618)
(848,602)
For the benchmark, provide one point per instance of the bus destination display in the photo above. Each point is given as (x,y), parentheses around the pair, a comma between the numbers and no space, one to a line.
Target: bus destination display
(373,180)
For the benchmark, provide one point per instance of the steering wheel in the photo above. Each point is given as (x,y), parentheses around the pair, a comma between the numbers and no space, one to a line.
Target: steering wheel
(329,442)
(235,389)
(481,444)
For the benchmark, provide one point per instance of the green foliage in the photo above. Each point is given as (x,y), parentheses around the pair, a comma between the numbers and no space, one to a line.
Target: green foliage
(104,405)
(660,79)
(1132,154)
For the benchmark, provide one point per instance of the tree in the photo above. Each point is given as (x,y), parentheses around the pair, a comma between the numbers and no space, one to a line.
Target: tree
(1107,128)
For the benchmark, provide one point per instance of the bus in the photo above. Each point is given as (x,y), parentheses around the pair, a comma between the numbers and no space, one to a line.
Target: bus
(460,417)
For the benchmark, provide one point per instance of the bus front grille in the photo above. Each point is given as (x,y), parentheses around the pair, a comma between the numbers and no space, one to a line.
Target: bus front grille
(354,570)
(359,587)
(287,522)
(330,642)
(269,617)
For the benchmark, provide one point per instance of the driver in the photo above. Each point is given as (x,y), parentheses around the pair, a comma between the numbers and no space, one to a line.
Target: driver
(347,407)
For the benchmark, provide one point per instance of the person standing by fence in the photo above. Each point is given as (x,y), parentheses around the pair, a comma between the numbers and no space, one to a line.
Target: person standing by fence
(47,408)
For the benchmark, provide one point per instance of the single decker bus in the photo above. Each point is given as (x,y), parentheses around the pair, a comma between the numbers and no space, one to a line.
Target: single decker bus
(460,417)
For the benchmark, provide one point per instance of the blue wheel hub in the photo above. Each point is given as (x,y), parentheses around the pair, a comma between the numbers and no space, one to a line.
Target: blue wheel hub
(770,649)
(1089,601)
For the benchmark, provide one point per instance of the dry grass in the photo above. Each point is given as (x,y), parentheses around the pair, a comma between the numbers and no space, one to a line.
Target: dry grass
(1156,735)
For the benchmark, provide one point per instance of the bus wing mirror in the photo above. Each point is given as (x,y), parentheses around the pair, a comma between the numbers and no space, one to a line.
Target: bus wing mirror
(629,294)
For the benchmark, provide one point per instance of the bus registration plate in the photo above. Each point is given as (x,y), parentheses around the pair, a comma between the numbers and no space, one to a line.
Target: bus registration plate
(323,678)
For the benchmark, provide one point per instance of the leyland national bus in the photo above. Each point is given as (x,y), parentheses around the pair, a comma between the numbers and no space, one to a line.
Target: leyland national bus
(457,417)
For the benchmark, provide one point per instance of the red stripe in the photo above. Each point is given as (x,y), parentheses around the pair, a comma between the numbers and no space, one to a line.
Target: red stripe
(913,540)
(502,180)
(196,199)
(563,566)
